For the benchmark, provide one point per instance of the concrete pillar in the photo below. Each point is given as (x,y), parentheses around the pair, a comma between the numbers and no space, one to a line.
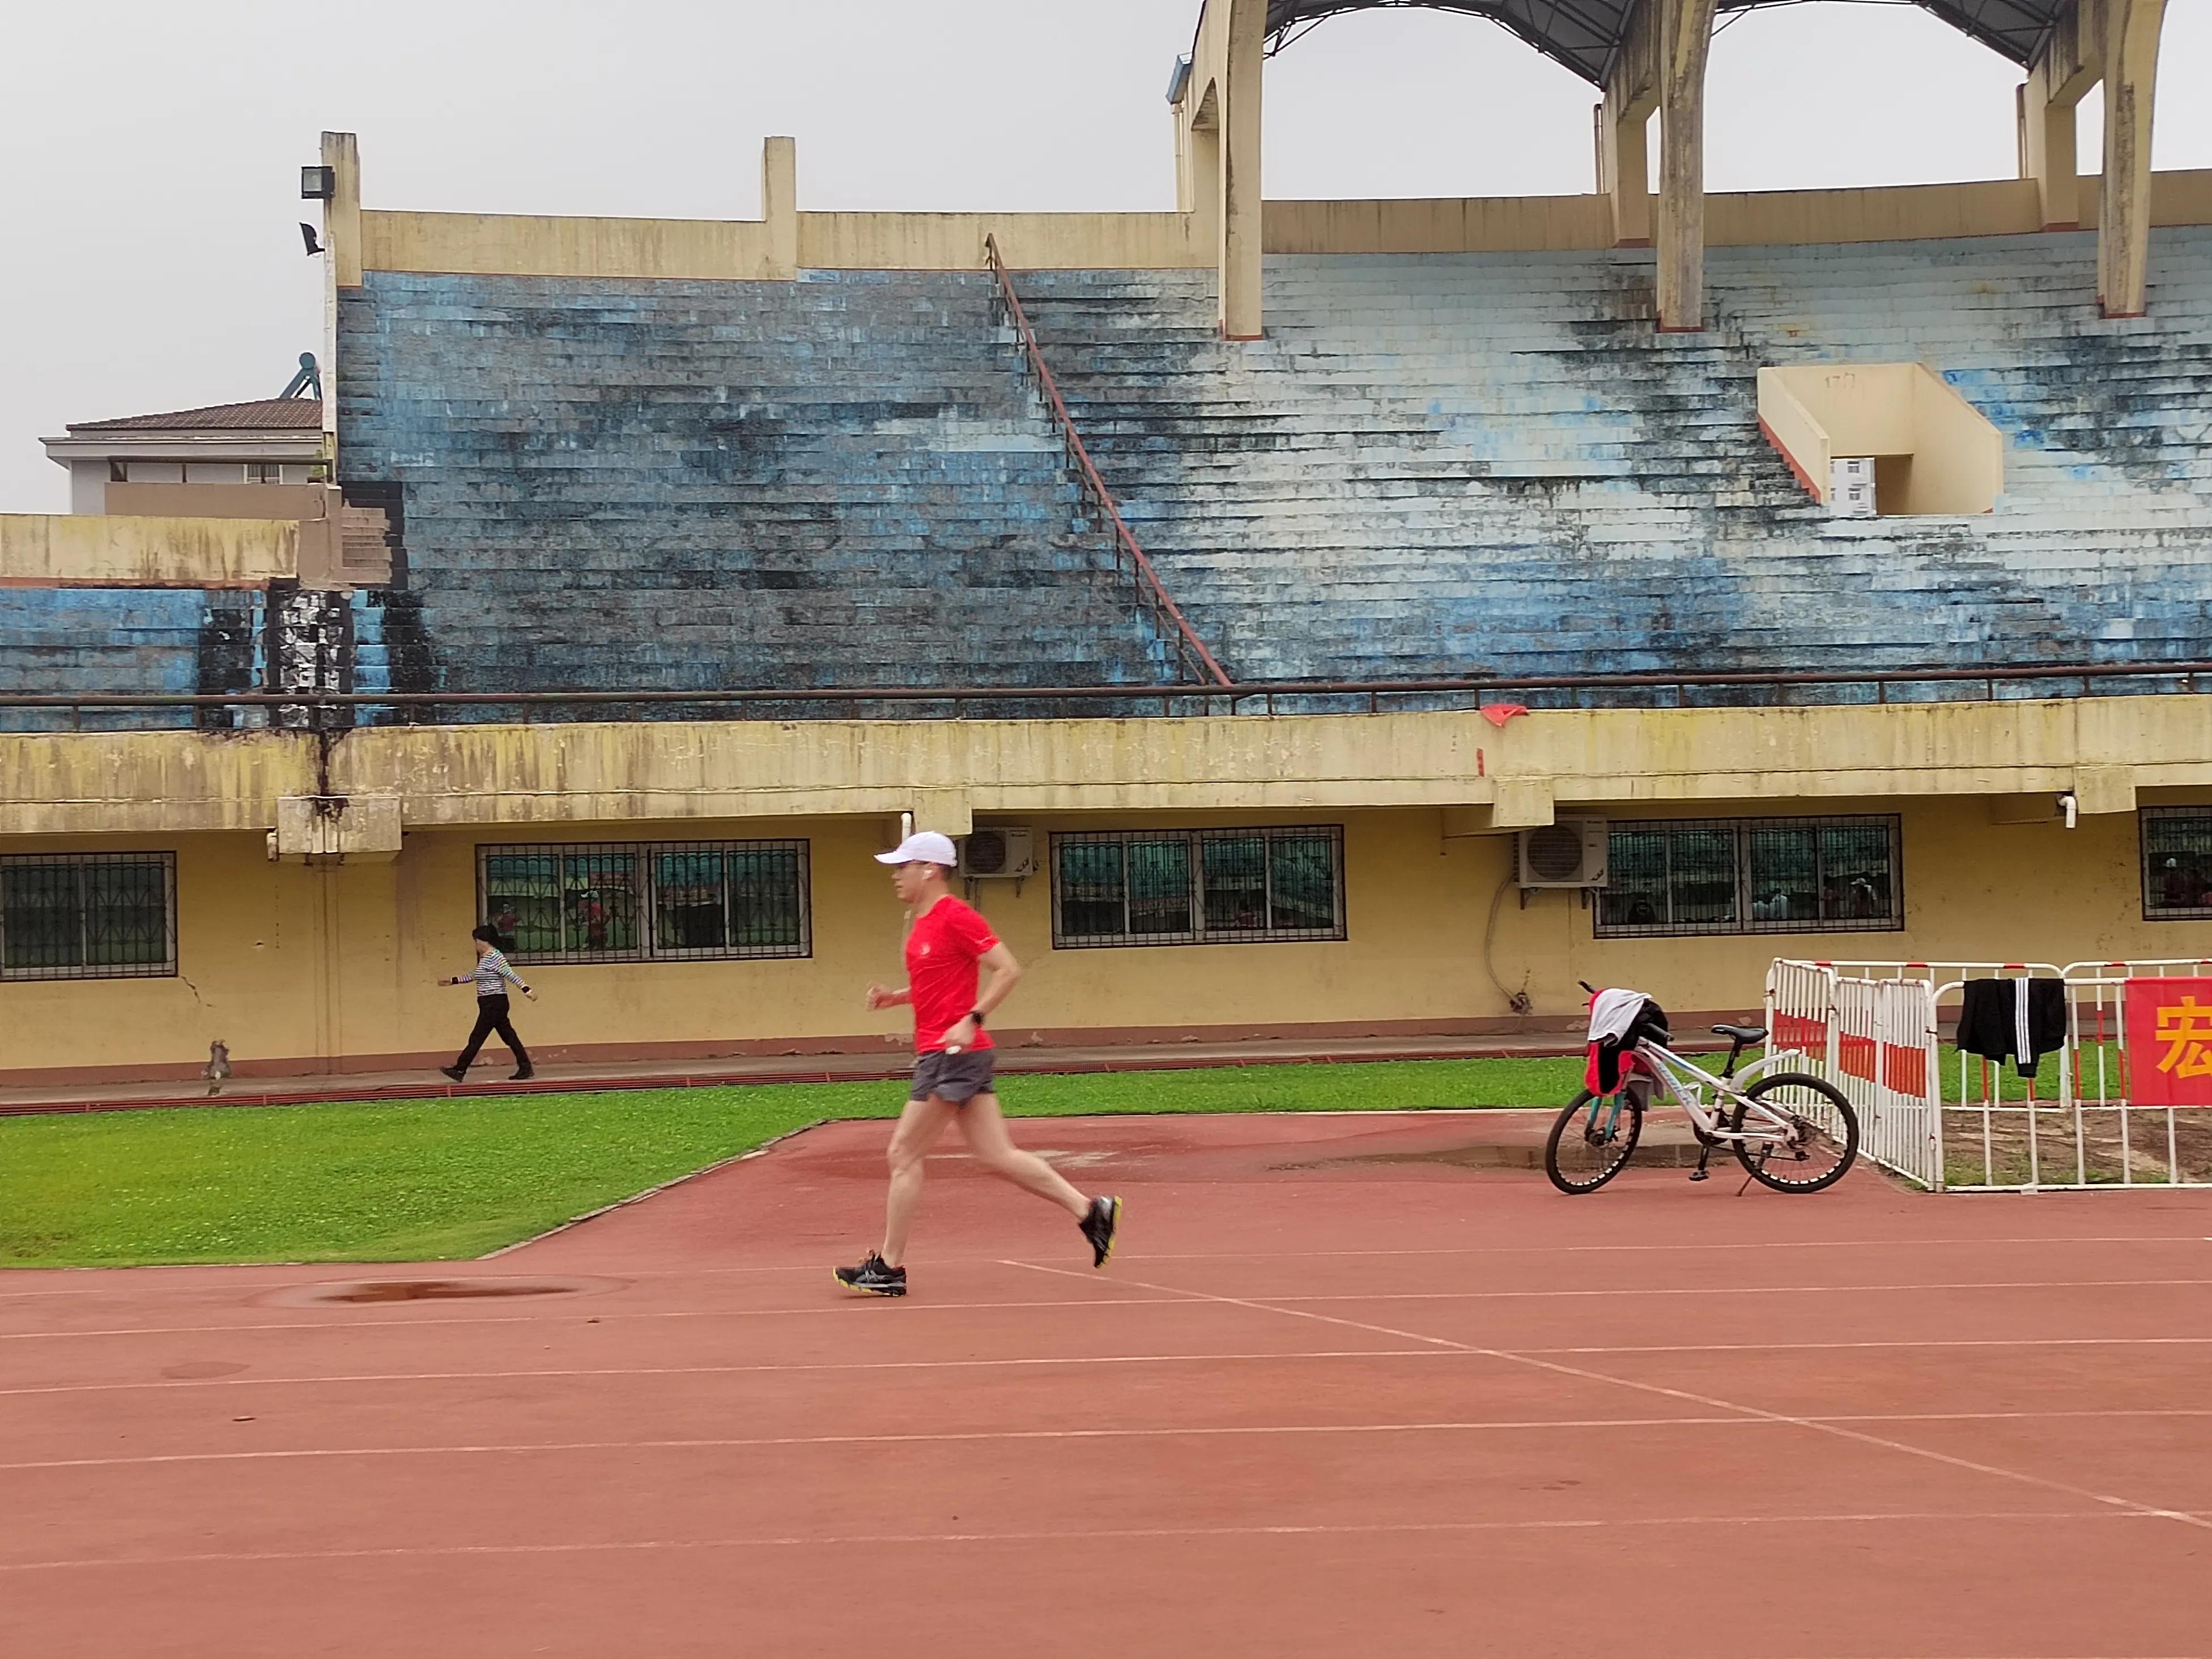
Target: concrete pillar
(780,205)
(2047,127)
(2131,67)
(342,268)
(1685,41)
(342,213)
(1624,166)
(1198,161)
(1239,135)
(1206,184)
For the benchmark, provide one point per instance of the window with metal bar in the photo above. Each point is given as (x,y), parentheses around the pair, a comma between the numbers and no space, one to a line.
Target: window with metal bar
(648,901)
(2177,862)
(1117,887)
(1677,876)
(87,916)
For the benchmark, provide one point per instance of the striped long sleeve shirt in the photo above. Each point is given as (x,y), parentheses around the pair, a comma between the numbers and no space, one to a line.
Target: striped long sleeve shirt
(491,973)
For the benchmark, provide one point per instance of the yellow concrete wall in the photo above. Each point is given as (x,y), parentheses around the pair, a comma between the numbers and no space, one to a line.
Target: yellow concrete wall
(141,552)
(544,246)
(120,782)
(682,1007)
(290,964)
(253,961)
(1957,453)
(113,782)
(1444,225)
(529,244)
(1028,241)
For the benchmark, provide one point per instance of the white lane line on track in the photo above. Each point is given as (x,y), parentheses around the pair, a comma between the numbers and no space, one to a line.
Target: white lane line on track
(758,1443)
(1951,1518)
(353,1378)
(950,1262)
(1710,1401)
(1737,1244)
(561,1314)
(564,1371)
(107,1286)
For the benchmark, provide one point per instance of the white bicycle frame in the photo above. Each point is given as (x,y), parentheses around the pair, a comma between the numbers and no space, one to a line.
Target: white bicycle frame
(1686,1085)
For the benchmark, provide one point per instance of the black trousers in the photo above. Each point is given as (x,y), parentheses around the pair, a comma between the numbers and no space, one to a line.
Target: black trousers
(491,1015)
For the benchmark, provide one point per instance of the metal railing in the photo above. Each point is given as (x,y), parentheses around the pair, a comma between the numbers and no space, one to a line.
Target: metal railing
(1193,658)
(1199,698)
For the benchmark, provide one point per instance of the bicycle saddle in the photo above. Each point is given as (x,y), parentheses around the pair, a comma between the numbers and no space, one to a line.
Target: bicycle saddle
(1749,1036)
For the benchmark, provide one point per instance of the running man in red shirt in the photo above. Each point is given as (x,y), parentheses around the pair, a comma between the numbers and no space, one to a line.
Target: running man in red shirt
(949,944)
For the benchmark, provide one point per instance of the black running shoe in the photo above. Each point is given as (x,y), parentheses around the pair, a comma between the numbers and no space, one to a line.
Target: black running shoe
(455,1073)
(524,1075)
(873,1277)
(1105,1215)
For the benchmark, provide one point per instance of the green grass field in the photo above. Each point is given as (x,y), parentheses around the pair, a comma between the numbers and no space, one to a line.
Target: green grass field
(434,1179)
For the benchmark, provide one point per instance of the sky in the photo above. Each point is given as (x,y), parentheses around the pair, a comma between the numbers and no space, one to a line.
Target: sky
(150,149)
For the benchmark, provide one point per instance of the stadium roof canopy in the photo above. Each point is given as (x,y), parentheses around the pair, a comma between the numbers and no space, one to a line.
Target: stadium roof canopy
(1585,34)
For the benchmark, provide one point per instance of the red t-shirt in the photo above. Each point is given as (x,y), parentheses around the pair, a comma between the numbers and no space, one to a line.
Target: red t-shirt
(947,941)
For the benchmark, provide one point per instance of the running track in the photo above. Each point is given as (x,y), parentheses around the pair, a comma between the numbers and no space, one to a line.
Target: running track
(1333,1397)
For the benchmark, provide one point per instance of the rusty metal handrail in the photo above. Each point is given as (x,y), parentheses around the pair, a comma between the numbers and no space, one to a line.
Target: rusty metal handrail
(1188,645)
(1230,691)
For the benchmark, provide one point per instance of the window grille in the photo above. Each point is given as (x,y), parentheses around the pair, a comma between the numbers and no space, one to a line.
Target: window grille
(1680,876)
(1116,887)
(648,901)
(87,916)
(2177,862)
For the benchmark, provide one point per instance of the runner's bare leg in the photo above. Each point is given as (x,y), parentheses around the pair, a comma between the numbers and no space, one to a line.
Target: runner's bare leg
(985,1130)
(919,1127)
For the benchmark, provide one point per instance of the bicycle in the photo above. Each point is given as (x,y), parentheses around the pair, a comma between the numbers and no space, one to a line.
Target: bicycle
(1790,1130)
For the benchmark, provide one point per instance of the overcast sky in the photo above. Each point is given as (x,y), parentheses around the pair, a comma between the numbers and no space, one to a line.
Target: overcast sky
(149,149)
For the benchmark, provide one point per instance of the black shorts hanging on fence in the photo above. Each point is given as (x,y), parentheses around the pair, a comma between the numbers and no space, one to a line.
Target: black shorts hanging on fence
(2017,1019)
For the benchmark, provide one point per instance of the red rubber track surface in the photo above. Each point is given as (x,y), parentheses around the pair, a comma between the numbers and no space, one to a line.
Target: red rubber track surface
(1334,1396)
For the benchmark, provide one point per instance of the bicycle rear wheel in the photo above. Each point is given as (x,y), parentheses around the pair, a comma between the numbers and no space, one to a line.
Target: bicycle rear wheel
(1593,1141)
(1823,1140)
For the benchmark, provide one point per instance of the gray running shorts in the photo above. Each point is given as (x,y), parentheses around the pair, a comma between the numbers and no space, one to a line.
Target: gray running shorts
(954,1078)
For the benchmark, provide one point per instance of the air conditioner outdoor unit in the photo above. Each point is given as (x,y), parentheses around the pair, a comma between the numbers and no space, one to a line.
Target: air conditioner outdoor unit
(1568,853)
(997,852)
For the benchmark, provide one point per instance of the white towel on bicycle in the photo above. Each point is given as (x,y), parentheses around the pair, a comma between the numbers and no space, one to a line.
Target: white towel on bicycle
(1612,1012)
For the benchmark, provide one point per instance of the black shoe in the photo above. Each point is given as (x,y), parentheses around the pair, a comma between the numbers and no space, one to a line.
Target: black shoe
(1098,1227)
(873,1277)
(455,1073)
(524,1075)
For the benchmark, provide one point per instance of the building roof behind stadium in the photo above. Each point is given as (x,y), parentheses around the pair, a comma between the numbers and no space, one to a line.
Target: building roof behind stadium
(1585,34)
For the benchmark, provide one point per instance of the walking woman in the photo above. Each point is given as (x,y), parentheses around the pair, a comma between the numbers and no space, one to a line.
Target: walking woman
(491,975)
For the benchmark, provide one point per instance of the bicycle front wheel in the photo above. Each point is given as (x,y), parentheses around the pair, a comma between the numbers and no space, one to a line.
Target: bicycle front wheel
(1819,1141)
(1593,1141)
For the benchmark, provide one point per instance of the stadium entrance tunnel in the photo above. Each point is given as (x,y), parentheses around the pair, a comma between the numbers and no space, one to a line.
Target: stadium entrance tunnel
(1882,439)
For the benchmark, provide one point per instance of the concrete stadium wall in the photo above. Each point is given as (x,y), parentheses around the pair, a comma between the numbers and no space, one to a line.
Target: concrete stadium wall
(91,549)
(738,249)
(2108,749)
(301,968)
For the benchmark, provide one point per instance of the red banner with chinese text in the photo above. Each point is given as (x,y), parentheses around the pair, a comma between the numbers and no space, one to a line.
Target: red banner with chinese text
(2169,1041)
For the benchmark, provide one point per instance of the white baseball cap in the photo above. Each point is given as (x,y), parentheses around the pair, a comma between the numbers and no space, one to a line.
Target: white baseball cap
(923,847)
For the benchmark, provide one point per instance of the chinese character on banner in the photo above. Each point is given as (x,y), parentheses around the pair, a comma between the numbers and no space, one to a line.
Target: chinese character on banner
(2170,1041)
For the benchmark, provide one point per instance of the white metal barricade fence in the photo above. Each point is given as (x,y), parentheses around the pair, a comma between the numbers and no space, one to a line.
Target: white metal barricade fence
(1879,1030)
(1875,1040)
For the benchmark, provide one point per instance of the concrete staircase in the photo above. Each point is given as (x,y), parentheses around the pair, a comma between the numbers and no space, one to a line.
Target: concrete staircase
(839,482)
(150,639)
(1437,465)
